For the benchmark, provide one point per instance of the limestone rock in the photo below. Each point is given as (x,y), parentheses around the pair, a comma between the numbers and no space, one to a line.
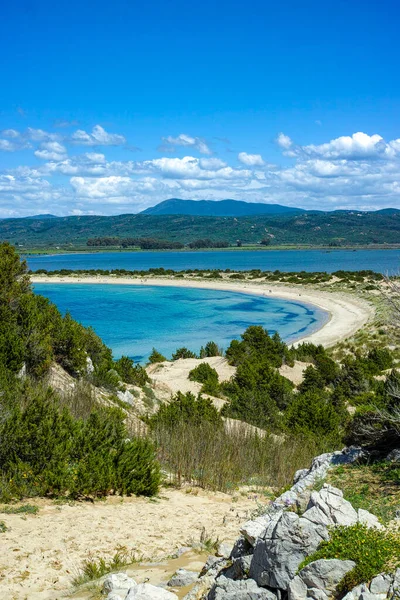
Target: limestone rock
(256,528)
(381,584)
(146,591)
(328,507)
(227,589)
(182,577)
(285,544)
(118,583)
(224,550)
(394,456)
(241,547)
(319,579)
(368,519)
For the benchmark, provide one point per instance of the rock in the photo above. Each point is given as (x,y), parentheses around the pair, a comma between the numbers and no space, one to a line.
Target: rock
(224,550)
(381,584)
(319,579)
(146,591)
(114,596)
(213,565)
(368,519)
(321,465)
(89,365)
(239,569)
(118,583)
(182,577)
(285,500)
(241,547)
(394,456)
(356,592)
(256,528)
(126,397)
(328,507)
(227,589)
(300,474)
(368,596)
(285,544)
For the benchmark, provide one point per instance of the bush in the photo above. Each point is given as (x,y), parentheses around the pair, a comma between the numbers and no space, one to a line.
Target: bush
(130,373)
(156,357)
(183,353)
(185,408)
(372,550)
(206,375)
(313,413)
(45,451)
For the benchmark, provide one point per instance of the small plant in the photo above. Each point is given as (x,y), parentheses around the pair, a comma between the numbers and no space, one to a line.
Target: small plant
(374,551)
(94,568)
(3,527)
(25,509)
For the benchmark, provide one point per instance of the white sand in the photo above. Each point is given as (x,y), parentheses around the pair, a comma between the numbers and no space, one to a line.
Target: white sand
(347,313)
(41,554)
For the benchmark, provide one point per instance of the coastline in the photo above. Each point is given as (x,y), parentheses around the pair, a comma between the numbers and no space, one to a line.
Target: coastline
(346,313)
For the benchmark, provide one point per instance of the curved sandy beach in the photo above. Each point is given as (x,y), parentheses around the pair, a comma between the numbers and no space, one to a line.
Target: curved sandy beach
(347,313)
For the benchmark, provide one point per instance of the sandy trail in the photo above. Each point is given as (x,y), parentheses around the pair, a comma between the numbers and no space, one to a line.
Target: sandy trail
(347,313)
(42,553)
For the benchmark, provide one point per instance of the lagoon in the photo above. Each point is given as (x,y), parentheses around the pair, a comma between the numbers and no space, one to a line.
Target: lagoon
(132,320)
(381,261)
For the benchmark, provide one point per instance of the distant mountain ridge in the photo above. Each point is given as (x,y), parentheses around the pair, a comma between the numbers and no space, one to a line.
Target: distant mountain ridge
(219,208)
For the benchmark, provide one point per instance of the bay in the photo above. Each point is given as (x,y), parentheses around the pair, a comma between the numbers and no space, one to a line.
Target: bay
(381,261)
(133,320)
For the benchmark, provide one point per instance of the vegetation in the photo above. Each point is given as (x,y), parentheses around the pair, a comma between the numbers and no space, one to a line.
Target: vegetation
(94,568)
(336,229)
(206,375)
(372,550)
(156,357)
(47,448)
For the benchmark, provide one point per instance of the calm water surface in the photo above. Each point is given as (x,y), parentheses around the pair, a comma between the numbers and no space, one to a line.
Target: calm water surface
(382,261)
(131,320)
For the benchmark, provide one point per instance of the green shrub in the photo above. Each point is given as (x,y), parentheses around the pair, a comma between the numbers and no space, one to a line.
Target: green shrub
(130,373)
(374,551)
(156,357)
(183,353)
(185,408)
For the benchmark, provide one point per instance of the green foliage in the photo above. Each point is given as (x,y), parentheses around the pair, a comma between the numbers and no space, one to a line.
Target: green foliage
(156,357)
(186,408)
(45,451)
(313,412)
(183,353)
(25,509)
(131,373)
(372,550)
(206,375)
(210,349)
(3,527)
(94,568)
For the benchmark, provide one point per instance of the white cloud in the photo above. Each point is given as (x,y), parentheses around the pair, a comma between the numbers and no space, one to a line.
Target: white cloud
(10,133)
(191,168)
(284,141)
(359,146)
(51,151)
(251,160)
(187,141)
(98,137)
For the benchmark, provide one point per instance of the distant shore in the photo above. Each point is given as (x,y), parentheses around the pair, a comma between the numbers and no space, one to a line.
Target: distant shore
(346,313)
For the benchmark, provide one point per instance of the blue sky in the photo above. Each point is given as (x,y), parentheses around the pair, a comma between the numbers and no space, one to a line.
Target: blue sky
(111,107)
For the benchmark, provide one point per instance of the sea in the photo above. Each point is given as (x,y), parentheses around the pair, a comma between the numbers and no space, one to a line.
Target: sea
(132,320)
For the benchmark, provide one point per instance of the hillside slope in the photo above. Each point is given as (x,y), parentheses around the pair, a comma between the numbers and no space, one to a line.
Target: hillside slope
(218,208)
(307,228)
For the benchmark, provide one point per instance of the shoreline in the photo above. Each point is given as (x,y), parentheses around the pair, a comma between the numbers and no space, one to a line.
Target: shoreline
(346,313)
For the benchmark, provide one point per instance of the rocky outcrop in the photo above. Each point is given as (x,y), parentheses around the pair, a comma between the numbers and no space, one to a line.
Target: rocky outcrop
(119,586)
(265,560)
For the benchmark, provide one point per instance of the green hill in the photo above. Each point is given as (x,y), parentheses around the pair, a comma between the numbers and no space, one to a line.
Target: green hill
(219,208)
(335,228)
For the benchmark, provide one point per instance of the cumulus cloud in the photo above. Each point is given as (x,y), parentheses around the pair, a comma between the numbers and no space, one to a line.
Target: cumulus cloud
(358,146)
(251,160)
(98,137)
(170,143)
(51,151)
(284,141)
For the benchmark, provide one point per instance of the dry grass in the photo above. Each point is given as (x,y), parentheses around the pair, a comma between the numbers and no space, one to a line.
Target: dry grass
(213,458)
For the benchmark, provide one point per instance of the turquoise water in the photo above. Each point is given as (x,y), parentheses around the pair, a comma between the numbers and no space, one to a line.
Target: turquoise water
(382,261)
(131,320)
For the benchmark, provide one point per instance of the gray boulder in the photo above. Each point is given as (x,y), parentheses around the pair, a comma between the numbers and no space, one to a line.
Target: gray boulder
(394,456)
(319,579)
(118,583)
(182,577)
(255,528)
(328,507)
(285,544)
(227,589)
(241,547)
(368,519)
(224,550)
(146,591)
(381,584)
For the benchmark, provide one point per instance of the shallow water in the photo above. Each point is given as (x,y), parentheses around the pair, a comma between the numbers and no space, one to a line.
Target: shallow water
(382,261)
(134,319)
